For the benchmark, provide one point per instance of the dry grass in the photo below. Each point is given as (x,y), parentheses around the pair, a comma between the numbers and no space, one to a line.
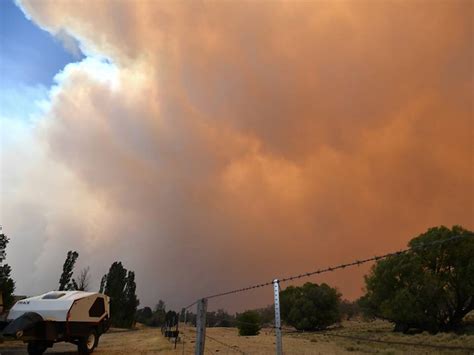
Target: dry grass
(150,341)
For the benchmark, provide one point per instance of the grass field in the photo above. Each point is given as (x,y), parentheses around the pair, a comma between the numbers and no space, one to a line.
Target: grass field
(350,338)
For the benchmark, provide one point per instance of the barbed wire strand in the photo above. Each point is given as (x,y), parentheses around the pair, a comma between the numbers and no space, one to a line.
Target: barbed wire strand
(419,246)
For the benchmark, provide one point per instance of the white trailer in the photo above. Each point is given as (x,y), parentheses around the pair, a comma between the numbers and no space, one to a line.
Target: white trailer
(73,316)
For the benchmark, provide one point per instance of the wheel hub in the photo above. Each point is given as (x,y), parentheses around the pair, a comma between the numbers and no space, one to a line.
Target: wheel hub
(90,341)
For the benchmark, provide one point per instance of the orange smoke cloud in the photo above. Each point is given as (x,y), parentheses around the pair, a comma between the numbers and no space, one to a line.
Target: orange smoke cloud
(222,144)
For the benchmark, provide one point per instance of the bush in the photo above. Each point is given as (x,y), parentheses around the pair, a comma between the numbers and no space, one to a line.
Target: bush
(310,307)
(248,323)
(430,289)
(220,319)
(144,315)
(348,309)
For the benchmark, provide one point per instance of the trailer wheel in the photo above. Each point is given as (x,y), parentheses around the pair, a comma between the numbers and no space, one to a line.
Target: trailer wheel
(36,348)
(88,343)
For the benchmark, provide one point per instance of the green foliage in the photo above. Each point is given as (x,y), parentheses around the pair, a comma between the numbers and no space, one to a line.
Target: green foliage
(367,308)
(143,315)
(267,314)
(7,285)
(121,288)
(220,319)
(68,267)
(348,309)
(248,323)
(310,307)
(156,318)
(430,288)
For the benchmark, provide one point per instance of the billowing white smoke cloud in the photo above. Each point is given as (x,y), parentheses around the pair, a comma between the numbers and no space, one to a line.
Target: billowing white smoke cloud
(213,145)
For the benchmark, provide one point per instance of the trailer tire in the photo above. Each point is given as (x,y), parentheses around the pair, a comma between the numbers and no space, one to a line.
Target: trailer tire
(88,343)
(36,348)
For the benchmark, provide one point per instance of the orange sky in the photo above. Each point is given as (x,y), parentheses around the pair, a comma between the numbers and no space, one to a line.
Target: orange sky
(226,143)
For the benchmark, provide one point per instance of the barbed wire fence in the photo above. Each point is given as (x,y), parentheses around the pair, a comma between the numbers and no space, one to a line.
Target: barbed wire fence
(201,304)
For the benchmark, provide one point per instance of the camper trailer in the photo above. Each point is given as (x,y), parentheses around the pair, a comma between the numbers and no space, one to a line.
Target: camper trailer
(73,316)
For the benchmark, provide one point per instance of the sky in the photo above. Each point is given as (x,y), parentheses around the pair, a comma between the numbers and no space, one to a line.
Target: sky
(212,145)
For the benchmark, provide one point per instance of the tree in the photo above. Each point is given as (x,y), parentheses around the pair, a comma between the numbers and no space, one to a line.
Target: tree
(68,269)
(191,318)
(248,323)
(121,287)
(159,316)
(144,315)
(349,309)
(429,288)
(82,283)
(160,306)
(310,307)
(267,314)
(131,300)
(103,280)
(7,285)
(3,246)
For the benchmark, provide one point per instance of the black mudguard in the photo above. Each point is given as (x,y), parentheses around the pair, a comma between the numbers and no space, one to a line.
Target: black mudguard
(23,323)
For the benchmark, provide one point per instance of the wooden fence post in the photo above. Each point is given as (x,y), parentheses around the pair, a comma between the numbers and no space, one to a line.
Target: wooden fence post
(201,326)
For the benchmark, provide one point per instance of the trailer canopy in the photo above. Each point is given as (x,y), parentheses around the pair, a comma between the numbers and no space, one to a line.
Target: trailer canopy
(58,305)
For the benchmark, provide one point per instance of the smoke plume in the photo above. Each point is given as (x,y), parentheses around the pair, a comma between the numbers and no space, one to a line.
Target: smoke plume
(211,145)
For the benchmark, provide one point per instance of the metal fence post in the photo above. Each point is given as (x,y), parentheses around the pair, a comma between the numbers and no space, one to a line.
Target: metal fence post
(276,295)
(201,326)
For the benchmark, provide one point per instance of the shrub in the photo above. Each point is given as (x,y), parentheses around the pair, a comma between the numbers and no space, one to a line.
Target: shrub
(248,323)
(310,307)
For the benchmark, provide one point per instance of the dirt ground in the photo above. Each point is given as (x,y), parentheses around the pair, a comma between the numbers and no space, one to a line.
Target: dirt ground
(350,338)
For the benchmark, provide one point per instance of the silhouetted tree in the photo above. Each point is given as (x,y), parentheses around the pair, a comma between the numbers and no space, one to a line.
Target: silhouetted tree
(82,283)
(68,269)
(159,316)
(103,280)
(131,300)
(144,315)
(7,285)
(121,288)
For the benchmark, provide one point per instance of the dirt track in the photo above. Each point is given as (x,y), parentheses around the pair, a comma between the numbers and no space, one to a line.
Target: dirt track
(348,339)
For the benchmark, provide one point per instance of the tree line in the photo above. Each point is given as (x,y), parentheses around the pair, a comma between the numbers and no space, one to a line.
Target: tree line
(425,288)
(428,289)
